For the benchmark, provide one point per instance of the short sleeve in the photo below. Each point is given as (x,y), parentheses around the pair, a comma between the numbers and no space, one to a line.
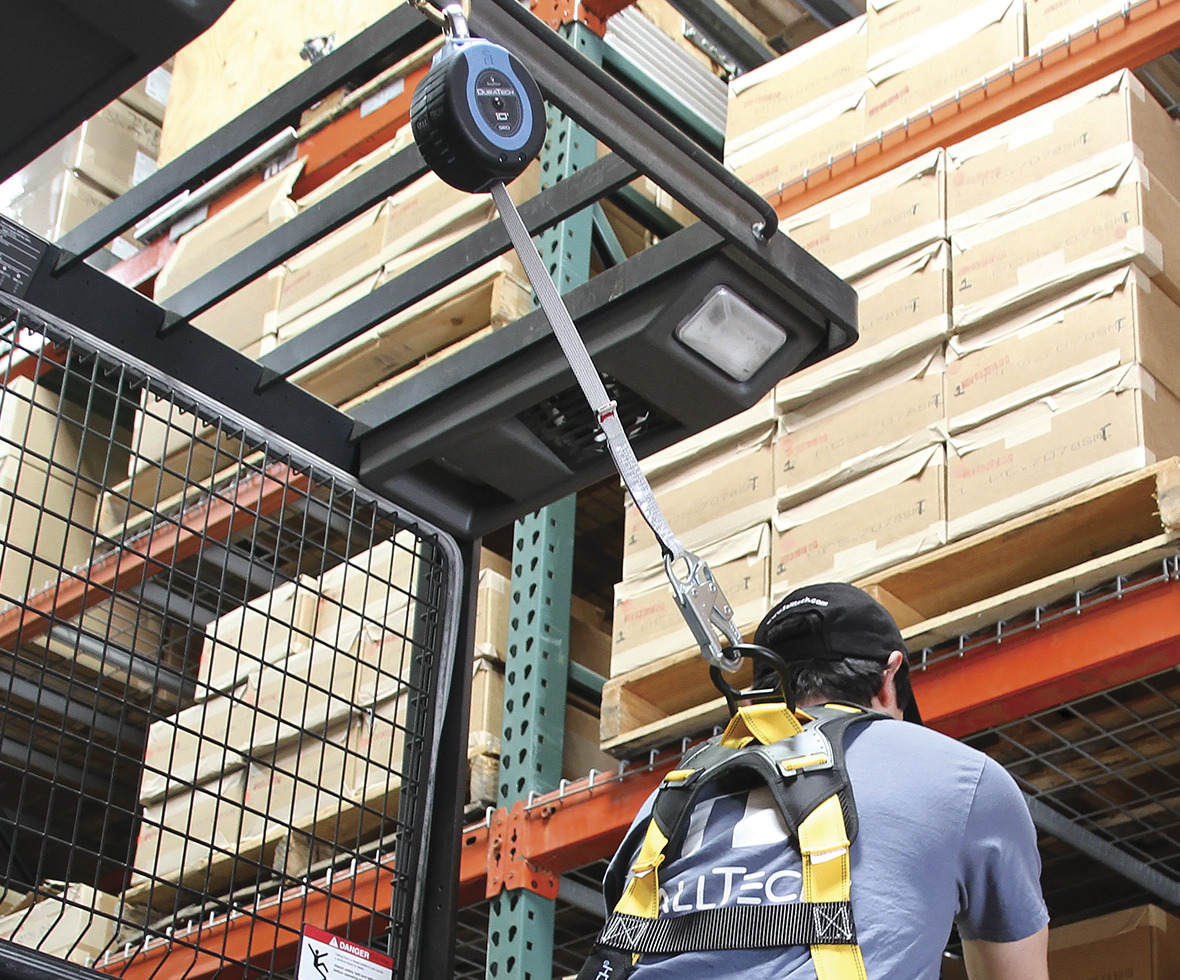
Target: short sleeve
(1000,897)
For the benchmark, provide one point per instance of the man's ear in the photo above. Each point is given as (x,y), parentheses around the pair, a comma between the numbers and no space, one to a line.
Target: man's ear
(887,696)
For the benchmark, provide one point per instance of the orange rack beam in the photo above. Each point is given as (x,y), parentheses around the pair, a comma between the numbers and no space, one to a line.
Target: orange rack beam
(216,521)
(1123,639)
(1148,30)
(1113,642)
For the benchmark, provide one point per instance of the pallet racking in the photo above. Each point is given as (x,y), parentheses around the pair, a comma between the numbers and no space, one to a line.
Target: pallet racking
(1044,658)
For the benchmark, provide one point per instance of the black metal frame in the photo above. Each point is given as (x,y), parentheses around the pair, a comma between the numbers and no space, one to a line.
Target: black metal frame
(737,227)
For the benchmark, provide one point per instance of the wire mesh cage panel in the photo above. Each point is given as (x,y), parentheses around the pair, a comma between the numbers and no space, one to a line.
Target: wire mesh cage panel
(220,662)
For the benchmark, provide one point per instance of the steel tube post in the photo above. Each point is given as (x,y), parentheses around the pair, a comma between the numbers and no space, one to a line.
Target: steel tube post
(520,927)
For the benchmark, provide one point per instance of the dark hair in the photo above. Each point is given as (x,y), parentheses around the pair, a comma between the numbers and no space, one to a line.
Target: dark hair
(851,679)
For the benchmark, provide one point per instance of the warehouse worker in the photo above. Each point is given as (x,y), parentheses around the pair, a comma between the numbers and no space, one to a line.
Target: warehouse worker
(940,834)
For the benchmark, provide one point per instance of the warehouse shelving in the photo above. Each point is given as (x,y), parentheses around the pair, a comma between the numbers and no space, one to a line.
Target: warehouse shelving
(1125,634)
(1142,32)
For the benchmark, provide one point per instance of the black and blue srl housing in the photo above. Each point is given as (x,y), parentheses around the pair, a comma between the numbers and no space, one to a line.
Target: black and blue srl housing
(477,116)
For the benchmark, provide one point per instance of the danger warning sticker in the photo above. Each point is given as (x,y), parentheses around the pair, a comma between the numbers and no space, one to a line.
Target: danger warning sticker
(323,956)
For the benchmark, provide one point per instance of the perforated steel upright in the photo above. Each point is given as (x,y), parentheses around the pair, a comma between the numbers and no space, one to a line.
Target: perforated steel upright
(520,926)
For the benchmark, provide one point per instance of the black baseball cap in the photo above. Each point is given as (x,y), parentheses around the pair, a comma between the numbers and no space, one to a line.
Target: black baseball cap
(851,624)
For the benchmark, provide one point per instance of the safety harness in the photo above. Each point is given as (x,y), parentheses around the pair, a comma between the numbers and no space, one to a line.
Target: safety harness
(800,757)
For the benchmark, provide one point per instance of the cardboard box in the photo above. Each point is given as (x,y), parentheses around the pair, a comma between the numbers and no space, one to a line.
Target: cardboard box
(60,435)
(1051,22)
(267,629)
(896,214)
(1074,439)
(735,430)
(307,692)
(47,525)
(182,837)
(904,308)
(1117,319)
(196,744)
(59,205)
(894,24)
(805,144)
(1143,943)
(420,219)
(647,623)
(891,514)
(1057,144)
(933,65)
(239,320)
(149,96)
(890,415)
(589,634)
(1119,216)
(114,150)
(373,587)
(384,654)
(376,745)
(728,491)
(580,752)
(76,923)
(484,299)
(301,786)
(172,451)
(781,92)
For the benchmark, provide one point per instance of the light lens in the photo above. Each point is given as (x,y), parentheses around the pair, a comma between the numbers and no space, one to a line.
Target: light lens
(731,334)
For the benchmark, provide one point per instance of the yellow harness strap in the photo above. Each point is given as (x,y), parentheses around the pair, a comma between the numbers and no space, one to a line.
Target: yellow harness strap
(642,894)
(769,723)
(827,877)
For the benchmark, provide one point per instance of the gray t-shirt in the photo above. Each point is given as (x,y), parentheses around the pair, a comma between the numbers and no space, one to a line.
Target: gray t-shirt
(944,838)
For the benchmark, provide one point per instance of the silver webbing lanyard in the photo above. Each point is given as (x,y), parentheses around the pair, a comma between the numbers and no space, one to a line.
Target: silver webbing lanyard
(698,596)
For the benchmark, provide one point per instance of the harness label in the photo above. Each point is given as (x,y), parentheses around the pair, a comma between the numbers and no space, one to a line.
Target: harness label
(749,823)
(606,964)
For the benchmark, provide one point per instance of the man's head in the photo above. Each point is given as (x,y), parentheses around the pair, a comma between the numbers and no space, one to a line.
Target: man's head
(840,644)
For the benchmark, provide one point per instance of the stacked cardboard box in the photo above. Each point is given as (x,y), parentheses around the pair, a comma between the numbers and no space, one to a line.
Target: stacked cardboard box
(1018,301)
(1053,22)
(800,110)
(1062,223)
(873,74)
(754,497)
(716,491)
(923,52)
(70,921)
(860,457)
(580,748)
(299,729)
(859,476)
(54,457)
(83,172)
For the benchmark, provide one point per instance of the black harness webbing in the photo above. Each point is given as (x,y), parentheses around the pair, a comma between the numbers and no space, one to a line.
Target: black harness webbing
(733,927)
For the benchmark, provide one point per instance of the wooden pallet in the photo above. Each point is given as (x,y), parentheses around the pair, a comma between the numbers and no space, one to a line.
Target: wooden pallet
(1119,528)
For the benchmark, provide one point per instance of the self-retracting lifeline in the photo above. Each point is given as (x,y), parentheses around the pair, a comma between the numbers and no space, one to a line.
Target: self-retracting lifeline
(478,120)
